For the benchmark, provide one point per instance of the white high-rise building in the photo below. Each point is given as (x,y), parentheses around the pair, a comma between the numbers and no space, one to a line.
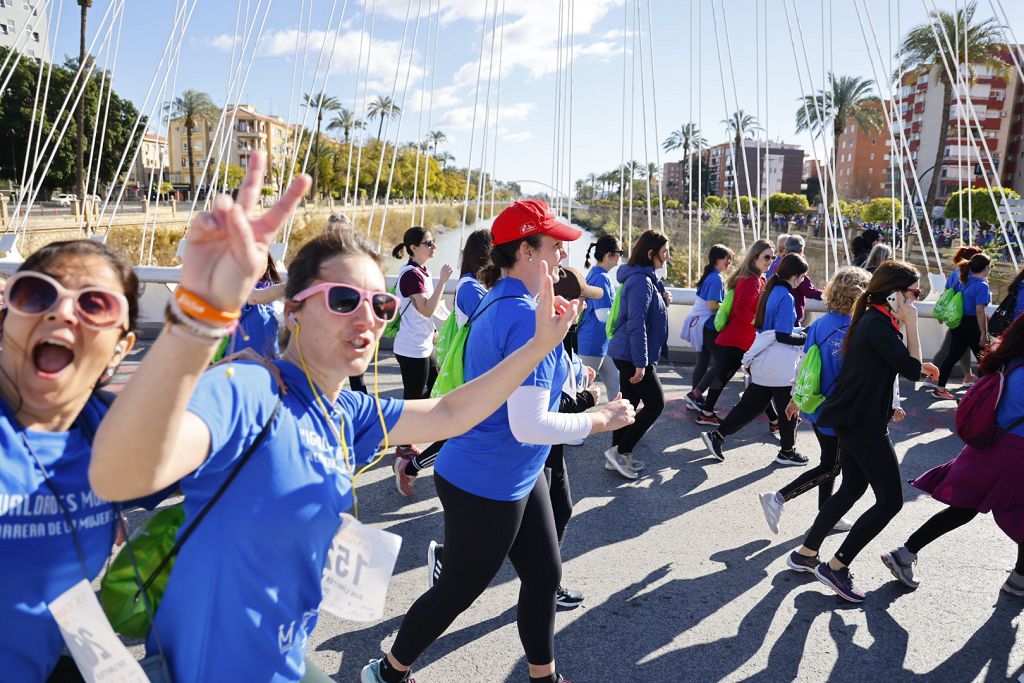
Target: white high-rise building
(24,26)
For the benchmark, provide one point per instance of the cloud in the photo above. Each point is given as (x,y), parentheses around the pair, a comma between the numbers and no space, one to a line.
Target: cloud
(222,42)
(521,136)
(462,117)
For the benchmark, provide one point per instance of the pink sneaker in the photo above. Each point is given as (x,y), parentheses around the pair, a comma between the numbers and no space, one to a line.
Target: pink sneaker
(403,482)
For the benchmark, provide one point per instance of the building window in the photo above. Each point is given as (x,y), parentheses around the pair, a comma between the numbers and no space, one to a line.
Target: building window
(3,27)
(25,4)
(184,146)
(10,26)
(874,142)
(885,157)
(35,36)
(184,162)
(871,170)
(3,3)
(871,156)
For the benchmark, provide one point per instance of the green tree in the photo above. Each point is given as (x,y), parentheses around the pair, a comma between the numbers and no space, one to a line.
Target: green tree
(745,203)
(232,175)
(346,122)
(83,6)
(740,124)
(322,103)
(444,158)
(194,108)
(848,97)
(981,202)
(384,107)
(919,52)
(787,204)
(716,202)
(880,210)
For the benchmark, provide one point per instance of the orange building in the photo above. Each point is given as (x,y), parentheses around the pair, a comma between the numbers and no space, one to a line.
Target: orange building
(862,166)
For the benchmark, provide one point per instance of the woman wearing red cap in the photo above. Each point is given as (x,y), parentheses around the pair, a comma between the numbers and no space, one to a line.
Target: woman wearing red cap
(490,480)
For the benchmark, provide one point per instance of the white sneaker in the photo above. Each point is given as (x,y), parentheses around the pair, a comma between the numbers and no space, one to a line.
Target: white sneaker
(772,509)
(577,442)
(843,525)
(619,463)
(636,465)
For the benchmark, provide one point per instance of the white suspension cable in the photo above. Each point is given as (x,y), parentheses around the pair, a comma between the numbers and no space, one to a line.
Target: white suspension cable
(497,110)
(654,108)
(472,130)
(430,109)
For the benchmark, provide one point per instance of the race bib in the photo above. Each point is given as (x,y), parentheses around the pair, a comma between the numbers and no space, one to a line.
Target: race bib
(359,568)
(99,654)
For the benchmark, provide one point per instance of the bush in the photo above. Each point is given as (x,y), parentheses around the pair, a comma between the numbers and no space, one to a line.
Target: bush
(785,204)
(980,201)
(714,202)
(880,210)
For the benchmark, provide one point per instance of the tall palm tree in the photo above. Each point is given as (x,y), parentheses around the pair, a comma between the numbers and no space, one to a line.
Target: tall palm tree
(346,122)
(194,107)
(384,107)
(919,52)
(740,124)
(444,158)
(846,97)
(435,138)
(84,5)
(687,138)
(592,179)
(322,102)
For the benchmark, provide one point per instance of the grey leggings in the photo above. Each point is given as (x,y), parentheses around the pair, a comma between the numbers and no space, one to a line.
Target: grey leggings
(606,370)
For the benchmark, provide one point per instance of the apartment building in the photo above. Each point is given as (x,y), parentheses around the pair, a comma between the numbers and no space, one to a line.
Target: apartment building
(249,131)
(998,100)
(863,161)
(777,168)
(674,175)
(24,27)
(153,156)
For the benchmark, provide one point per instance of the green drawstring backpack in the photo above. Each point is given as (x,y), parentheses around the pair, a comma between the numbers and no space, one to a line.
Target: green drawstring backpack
(949,308)
(613,315)
(807,394)
(724,310)
(451,374)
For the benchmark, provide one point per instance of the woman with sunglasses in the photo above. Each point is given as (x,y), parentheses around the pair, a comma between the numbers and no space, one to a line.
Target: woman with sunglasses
(859,408)
(418,300)
(244,592)
(490,480)
(71,309)
(592,335)
(737,336)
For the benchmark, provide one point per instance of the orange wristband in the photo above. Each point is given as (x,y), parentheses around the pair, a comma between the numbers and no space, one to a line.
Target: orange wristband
(198,308)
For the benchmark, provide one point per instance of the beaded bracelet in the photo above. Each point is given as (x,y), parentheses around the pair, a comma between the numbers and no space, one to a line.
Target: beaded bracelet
(175,316)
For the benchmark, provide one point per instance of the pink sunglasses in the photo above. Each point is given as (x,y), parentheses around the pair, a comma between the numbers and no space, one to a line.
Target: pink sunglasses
(33,293)
(342,299)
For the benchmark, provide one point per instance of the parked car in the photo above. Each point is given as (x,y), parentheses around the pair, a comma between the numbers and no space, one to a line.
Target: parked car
(64,199)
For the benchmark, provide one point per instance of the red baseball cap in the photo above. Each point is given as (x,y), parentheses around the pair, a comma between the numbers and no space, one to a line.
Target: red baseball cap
(531,217)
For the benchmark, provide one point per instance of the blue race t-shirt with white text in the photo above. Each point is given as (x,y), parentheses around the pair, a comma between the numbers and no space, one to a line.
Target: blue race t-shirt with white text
(487,461)
(38,561)
(244,592)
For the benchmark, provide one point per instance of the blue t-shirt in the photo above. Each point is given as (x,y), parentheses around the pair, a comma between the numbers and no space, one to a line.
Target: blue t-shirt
(1011,407)
(260,328)
(592,337)
(712,289)
(827,332)
(976,293)
(487,460)
(773,267)
(468,296)
(953,279)
(244,592)
(780,310)
(39,561)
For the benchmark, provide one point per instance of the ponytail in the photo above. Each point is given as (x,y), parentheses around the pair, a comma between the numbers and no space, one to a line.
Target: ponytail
(414,236)
(890,277)
(790,266)
(397,251)
(503,257)
(586,263)
(602,246)
(762,303)
(975,264)
(716,253)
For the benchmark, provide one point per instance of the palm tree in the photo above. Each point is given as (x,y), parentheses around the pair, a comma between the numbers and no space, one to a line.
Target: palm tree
(346,122)
(435,138)
(323,103)
(194,107)
(384,107)
(847,97)
(84,5)
(920,52)
(687,138)
(592,179)
(444,158)
(740,124)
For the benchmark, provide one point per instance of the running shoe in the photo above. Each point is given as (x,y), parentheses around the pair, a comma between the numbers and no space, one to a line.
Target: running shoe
(712,420)
(801,563)
(943,394)
(713,441)
(839,580)
(619,463)
(371,673)
(901,566)
(637,465)
(694,401)
(434,553)
(773,429)
(403,481)
(791,458)
(969,381)
(843,525)
(772,504)
(408,451)
(1014,584)
(567,598)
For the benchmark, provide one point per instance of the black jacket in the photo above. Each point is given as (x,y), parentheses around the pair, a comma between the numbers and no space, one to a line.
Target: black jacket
(874,355)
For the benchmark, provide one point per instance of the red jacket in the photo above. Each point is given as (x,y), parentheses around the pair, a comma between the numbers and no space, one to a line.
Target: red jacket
(739,332)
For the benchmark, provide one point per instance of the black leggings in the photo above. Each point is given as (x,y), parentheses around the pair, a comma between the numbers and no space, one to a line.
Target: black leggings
(868,459)
(966,336)
(823,476)
(942,523)
(418,377)
(558,485)
(726,362)
(754,401)
(704,369)
(478,534)
(647,390)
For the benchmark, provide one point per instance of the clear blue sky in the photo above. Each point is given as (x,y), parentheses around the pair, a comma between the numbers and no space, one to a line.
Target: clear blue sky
(529,60)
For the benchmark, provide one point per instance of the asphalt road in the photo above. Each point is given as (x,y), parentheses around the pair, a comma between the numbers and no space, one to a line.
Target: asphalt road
(684,581)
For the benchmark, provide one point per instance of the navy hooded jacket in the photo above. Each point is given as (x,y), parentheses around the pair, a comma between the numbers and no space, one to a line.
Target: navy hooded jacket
(641,330)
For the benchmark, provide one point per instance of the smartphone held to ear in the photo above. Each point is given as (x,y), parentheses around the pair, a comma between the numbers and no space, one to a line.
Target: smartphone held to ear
(895,301)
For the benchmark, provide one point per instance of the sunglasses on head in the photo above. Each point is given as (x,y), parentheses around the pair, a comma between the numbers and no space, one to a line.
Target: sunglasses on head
(342,299)
(33,293)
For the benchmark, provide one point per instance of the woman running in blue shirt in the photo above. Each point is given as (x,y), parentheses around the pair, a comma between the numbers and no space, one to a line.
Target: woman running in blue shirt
(710,294)
(251,571)
(972,332)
